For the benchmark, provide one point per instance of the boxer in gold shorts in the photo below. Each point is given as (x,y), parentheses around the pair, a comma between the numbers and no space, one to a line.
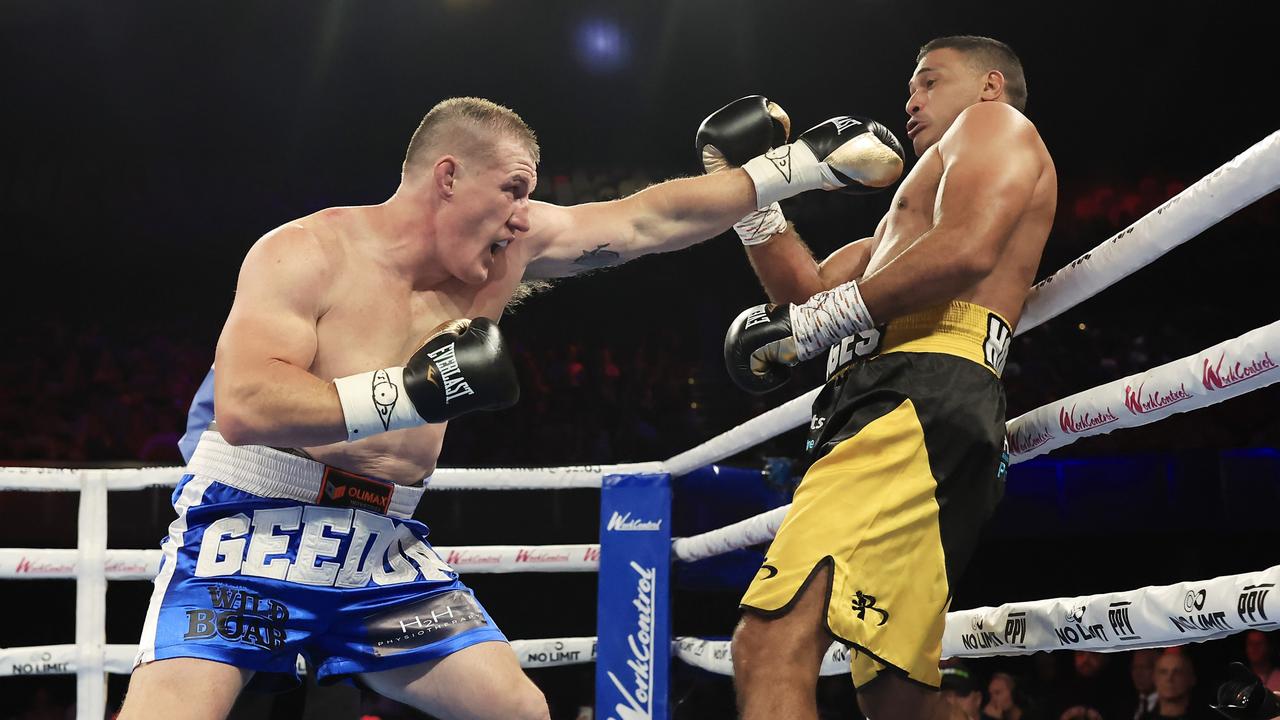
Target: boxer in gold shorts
(908,434)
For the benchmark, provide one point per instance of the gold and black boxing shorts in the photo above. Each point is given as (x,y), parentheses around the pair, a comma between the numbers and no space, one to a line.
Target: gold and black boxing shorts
(909,462)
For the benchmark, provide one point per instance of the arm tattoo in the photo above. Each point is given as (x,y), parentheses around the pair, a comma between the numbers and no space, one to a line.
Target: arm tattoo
(597,257)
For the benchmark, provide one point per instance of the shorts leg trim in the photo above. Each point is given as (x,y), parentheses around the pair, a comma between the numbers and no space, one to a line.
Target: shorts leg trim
(255,661)
(827,561)
(891,669)
(190,496)
(336,669)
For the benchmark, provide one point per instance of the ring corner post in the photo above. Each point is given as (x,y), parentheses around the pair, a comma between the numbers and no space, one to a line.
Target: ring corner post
(633,606)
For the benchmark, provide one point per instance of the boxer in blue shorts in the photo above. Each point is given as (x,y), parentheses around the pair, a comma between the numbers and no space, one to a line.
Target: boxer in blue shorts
(248,552)
(340,364)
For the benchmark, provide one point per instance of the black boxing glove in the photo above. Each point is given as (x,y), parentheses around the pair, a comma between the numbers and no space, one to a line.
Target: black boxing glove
(759,348)
(739,131)
(462,367)
(847,153)
(733,135)
(766,339)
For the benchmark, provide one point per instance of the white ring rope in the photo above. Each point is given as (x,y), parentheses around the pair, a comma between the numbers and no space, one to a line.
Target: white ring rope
(1210,376)
(41,564)
(1111,622)
(37,479)
(1249,176)
(1220,194)
(1157,616)
(755,530)
(118,659)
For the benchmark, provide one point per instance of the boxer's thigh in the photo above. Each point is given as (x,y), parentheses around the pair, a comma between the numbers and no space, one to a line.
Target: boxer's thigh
(479,682)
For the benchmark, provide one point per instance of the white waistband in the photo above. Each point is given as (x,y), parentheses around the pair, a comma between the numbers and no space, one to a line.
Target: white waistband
(272,473)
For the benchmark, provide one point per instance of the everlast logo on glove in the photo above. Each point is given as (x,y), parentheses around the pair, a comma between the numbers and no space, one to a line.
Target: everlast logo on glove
(843,123)
(455,385)
(757,316)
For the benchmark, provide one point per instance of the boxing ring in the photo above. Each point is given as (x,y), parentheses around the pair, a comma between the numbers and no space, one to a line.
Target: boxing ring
(1175,614)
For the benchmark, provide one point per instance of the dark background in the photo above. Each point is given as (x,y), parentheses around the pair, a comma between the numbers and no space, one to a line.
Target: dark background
(147,145)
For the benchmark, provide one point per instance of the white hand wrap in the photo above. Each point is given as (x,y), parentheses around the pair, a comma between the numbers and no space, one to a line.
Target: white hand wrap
(375,402)
(827,318)
(761,225)
(787,171)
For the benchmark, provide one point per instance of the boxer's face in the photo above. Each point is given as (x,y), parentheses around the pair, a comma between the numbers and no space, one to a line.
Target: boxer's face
(943,85)
(488,210)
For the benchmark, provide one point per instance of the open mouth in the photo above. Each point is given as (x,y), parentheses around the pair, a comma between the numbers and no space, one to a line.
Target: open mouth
(494,248)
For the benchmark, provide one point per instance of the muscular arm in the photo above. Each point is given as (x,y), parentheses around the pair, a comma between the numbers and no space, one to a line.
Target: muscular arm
(789,274)
(263,392)
(668,216)
(990,171)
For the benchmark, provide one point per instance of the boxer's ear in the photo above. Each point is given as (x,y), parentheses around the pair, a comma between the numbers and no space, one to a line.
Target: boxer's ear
(993,85)
(444,174)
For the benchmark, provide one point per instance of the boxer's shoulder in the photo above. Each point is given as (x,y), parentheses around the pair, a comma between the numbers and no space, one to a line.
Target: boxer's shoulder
(300,260)
(989,125)
(319,244)
(993,117)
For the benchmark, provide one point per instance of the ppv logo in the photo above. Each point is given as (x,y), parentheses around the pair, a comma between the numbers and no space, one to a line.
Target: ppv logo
(1118,616)
(624,523)
(1252,605)
(1015,629)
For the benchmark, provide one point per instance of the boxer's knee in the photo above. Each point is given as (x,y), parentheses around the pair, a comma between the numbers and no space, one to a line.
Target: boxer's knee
(529,704)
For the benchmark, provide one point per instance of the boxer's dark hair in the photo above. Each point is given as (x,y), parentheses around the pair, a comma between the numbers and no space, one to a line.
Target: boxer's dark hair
(986,54)
(467,125)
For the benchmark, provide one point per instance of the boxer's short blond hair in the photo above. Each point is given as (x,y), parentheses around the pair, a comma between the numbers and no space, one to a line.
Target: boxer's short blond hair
(467,127)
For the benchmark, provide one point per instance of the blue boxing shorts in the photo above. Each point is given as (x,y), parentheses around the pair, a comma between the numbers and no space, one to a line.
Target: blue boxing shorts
(273,556)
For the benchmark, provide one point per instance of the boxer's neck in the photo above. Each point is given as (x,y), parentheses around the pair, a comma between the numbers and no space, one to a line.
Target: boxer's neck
(405,227)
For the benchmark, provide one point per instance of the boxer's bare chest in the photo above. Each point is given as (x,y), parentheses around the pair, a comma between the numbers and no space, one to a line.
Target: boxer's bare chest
(912,211)
(374,319)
